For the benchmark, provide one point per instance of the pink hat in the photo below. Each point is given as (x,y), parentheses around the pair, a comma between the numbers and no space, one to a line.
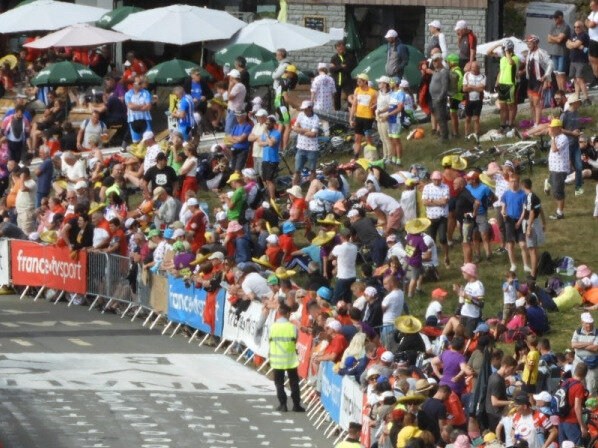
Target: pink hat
(583,271)
(234,227)
(436,175)
(493,168)
(470,269)
(462,442)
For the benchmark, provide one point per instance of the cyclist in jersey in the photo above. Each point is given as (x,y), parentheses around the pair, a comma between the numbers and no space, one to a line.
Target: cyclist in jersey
(506,82)
(361,115)
(281,101)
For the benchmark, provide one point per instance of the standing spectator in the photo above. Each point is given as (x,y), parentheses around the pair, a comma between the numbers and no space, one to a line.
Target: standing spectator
(439,89)
(415,247)
(435,196)
(257,150)
(572,129)
(184,112)
(361,115)
(139,104)
(160,175)
(270,144)
(306,126)
(466,210)
(168,212)
(484,195)
(534,224)
(92,127)
(506,83)
(557,40)
(467,43)
(239,135)
(372,313)
(392,307)
(345,254)
(455,91)
(513,211)
(496,391)
(25,202)
(282,101)
(283,63)
(532,426)
(474,84)
(538,71)
(199,91)
(578,45)
(397,56)
(573,426)
(585,344)
(236,100)
(397,101)
(341,66)
(323,89)
(436,39)
(44,173)
(16,128)
(558,166)
(241,66)
(592,26)
(382,109)
(453,364)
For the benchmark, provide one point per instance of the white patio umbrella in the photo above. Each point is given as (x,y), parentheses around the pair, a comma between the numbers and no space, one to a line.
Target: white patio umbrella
(520,46)
(47,15)
(180,25)
(80,35)
(272,35)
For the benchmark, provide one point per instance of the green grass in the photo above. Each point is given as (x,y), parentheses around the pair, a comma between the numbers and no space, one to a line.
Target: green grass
(573,236)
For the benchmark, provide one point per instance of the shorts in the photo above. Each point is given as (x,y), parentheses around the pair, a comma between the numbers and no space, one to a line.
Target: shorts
(470,324)
(303,158)
(536,237)
(557,182)
(506,93)
(467,228)
(269,170)
(284,117)
(394,130)
(452,203)
(413,272)
(454,104)
(481,223)
(473,108)
(394,220)
(508,310)
(513,234)
(559,64)
(578,69)
(593,49)
(136,136)
(363,125)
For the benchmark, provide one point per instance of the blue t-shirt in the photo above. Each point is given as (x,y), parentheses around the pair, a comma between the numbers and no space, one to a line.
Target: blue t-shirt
(196,90)
(536,319)
(396,97)
(26,114)
(270,153)
(44,180)
(242,249)
(329,195)
(239,130)
(313,252)
(186,105)
(483,194)
(514,200)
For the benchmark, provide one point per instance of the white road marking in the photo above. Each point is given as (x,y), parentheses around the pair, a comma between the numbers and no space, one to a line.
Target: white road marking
(80,342)
(22,342)
(9,324)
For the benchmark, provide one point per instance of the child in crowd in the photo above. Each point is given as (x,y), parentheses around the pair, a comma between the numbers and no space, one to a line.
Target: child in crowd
(434,310)
(509,295)
(357,288)
(532,362)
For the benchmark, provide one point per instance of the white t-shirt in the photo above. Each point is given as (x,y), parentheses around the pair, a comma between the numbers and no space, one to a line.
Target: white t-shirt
(387,204)
(75,171)
(593,32)
(409,205)
(359,303)
(474,81)
(434,309)
(433,261)
(346,256)
(99,236)
(91,130)
(254,283)
(474,289)
(25,200)
(190,163)
(433,192)
(558,161)
(257,130)
(509,294)
(150,156)
(393,302)
(396,250)
(528,431)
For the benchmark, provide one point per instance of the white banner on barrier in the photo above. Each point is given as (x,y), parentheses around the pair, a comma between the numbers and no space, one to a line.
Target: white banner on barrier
(4,262)
(351,403)
(251,327)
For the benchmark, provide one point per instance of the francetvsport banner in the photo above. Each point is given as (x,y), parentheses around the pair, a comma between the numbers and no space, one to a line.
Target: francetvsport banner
(304,345)
(4,262)
(251,327)
(51,266)
(196,307)
(331,390)
(351,402)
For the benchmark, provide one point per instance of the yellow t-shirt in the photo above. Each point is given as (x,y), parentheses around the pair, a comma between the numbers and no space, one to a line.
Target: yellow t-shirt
(407,433)
(366,99)
(530,371)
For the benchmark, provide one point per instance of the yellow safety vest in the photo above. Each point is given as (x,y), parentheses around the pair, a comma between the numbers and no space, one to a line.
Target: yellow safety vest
(347,444)
(283,354)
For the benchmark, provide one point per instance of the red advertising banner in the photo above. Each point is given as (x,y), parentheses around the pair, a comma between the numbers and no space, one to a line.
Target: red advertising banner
(51,266)
(365,422)
(304,346)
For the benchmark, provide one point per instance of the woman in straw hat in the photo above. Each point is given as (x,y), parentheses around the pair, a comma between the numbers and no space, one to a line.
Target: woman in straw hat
(411,341)
(415,247)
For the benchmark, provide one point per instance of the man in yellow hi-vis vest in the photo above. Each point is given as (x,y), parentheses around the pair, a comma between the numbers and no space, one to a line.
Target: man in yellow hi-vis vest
(283,358)
(352,441)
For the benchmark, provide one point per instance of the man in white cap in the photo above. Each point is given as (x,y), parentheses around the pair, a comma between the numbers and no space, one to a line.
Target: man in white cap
(435,197)
(197,224)
(436,39)
(338,343)
(153,149)
(467,43)
(323,90)
(236,99)
(254,138)
(385,207)
(397,56)
(306,126)
(139,105)
(585,344)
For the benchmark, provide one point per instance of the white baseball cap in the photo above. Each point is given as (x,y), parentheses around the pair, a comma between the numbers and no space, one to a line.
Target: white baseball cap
(235,73)
(261,113)
(178,233)
(404,83)
(461,25)
(370,291)
(334,324)
(272,239)
(191,202)
(435,24)
(387,356)
(147,135)
(587,318)
(543,396)
(256,100)
(352,213)
(391,33)
(129,222)
(305,104)
(385,79)
(322,65)
(80,184)
(248,172)
(220,216)
(361,193)
(216,256)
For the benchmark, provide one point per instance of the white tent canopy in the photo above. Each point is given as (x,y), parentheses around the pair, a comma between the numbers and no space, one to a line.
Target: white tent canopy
(272,35)
(180,25)
(80,35)
(520,46)
(47,15)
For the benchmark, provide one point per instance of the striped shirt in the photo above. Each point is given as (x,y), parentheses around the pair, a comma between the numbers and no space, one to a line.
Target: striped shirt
(141,97)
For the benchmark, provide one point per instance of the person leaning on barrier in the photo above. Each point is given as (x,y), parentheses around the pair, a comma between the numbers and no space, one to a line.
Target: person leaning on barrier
(283,358)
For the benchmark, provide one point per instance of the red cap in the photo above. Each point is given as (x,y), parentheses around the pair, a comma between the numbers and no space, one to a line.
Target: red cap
(439,293)
(398,414)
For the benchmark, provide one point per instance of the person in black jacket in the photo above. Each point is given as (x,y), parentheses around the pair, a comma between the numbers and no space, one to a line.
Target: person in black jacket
(372,314)
(341,66)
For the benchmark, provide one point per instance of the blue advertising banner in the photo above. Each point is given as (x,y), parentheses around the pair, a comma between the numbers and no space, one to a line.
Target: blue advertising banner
(332,385)
(195,306)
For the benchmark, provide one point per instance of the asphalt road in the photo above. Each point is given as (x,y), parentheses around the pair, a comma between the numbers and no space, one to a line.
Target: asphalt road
(73,378)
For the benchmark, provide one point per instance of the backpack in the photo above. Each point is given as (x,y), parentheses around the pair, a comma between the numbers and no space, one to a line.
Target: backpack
(546,265)
(559,405)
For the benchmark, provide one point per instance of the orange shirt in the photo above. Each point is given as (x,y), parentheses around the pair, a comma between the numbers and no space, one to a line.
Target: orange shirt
(11,199)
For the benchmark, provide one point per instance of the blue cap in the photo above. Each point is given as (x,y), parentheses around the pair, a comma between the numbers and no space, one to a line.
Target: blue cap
(482,328)
(325,293)
(168,233)
(350,361)
(288,227)
(382,379)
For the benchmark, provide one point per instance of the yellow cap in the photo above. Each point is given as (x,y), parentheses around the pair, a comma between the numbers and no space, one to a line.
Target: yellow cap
(556,123)
(233,177)
(363,76)
(291,68)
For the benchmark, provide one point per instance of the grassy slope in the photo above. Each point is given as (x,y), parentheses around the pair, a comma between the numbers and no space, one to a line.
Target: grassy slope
(573,236)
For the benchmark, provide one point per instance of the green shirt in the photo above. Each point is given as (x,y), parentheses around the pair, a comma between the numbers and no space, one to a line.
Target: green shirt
(176,166)
(456,83)
(239,201)
(508,72)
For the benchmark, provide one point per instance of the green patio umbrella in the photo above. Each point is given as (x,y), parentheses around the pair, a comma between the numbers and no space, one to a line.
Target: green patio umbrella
(261,75)
(24,2)
(374,65)
(253,54)
(66,74)
(115,16)
(174,72)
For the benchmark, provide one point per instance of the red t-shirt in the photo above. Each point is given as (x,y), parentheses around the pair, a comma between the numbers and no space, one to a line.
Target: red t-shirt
(575,391)
(337,345)
(301,205)
(197,224)
(287,244)
(273,254)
